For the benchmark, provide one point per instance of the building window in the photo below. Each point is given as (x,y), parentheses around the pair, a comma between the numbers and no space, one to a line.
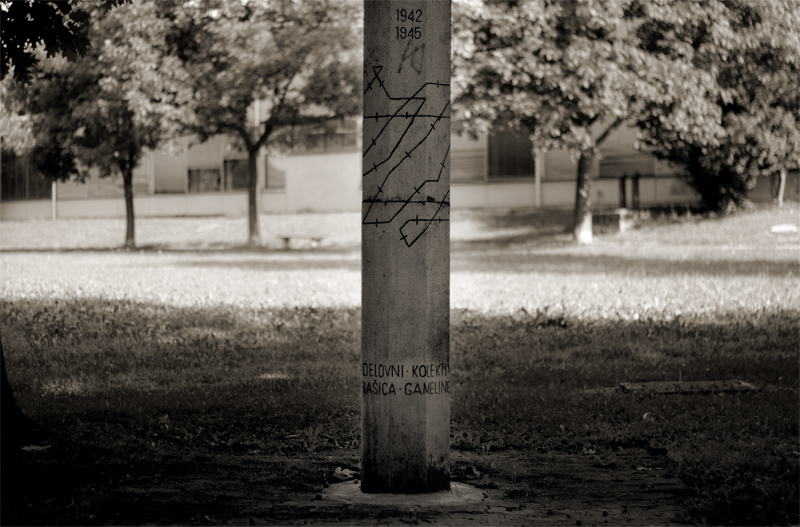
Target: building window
(341,140)
(204,180)
(276,178)
(467,166)
(332,136)
(236,174)
(510,155)
(616,164)
(21,180)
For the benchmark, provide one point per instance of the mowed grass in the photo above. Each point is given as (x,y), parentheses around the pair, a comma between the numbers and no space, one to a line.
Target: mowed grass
(122,356)
(334,231)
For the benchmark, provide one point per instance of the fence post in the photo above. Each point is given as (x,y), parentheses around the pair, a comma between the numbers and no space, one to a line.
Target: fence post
(623,198)
(54,199)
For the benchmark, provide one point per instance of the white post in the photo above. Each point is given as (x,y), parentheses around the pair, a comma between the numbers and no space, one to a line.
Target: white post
(151,172)
(54,199)
(538,171)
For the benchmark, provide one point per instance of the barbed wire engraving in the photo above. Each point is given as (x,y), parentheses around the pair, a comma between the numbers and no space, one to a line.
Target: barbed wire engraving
(412,123)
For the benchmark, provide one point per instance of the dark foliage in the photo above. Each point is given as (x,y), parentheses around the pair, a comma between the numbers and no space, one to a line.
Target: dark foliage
(59,26)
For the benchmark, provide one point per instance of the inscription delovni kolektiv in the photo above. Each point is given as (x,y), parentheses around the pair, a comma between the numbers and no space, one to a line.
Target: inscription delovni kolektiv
(405,378)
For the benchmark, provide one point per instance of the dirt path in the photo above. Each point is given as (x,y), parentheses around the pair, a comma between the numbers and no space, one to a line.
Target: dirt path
(626,487)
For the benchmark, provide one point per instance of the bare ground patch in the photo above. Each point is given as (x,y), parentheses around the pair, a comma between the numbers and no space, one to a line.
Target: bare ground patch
(629,486)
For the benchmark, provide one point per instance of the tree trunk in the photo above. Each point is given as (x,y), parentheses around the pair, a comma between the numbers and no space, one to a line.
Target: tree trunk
(12,416)
(582,219)
(781,187)
(254,231)
(17,428)
(130,240)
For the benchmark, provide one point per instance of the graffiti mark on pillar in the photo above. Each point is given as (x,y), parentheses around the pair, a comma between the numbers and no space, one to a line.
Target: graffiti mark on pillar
(413,56)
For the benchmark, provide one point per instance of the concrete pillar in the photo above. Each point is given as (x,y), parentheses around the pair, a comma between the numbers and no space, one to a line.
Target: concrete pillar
(405,366)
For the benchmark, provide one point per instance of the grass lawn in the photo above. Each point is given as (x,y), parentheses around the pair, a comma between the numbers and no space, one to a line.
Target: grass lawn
(129,360)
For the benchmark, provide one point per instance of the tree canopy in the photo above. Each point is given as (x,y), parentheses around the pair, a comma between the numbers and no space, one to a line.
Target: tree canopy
(300,61)
(100,111)
(568,73)
(752,49)
(563,70)
(155,70)
(29,31)
(53,27)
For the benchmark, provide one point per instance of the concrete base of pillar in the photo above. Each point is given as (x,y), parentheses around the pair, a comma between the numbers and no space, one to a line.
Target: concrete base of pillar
(460,494)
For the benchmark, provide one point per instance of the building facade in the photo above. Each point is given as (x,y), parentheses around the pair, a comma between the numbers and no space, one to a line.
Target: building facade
(324,175)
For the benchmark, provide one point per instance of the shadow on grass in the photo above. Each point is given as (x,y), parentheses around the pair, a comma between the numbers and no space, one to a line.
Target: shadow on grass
(122,385)
(279,261)
(97,346)
(198,248)
(576,263)
(472,257)
(544,220)
(465,261)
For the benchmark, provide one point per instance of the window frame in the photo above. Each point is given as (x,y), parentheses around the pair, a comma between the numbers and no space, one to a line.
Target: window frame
(527,175)
(189,171)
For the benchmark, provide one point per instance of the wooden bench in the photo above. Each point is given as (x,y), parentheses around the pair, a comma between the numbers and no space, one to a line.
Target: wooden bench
(614,220)
(287,239)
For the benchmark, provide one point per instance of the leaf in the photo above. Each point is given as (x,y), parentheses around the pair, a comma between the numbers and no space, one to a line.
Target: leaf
(35,448)
(340,474)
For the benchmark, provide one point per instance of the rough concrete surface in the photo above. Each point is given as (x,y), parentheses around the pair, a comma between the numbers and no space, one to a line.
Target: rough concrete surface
(405,339)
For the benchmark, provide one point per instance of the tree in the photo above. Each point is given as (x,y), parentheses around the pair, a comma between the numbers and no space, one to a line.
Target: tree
(753,50)
(299,60)
(99,112)
(569,74)
(15,128)
(54,28)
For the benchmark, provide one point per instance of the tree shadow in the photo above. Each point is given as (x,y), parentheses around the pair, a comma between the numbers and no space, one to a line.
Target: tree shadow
(574,262)
(544,220)
(485,260)
(279,261)
(68,356)
(123,387)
